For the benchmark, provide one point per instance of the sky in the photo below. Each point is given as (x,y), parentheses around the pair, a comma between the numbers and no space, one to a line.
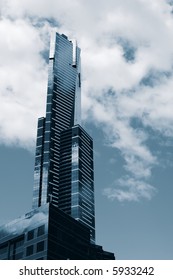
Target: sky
(127,107)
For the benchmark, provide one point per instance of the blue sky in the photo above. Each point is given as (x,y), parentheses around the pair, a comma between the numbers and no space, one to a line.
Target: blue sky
(127,101)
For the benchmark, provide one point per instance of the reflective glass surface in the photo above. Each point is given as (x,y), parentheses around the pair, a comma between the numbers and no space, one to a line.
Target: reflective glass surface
(62,111)
(76,185)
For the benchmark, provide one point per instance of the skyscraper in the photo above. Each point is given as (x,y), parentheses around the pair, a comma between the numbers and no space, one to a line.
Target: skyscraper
(63,193)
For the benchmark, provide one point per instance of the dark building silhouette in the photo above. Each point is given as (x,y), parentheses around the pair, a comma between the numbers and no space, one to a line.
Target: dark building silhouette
(61,224)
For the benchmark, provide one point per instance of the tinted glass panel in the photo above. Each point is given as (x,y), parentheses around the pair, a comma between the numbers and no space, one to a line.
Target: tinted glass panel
(40,246)
(41,230)
(29,250)
(3,249)
(30,235)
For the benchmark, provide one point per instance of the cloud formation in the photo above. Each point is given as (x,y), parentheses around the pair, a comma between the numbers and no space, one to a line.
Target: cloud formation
(22,83)
(127,62)
(130,189)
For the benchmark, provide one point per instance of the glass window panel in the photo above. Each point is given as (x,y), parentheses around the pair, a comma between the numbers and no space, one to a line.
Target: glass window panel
(3,249)
(40,246)
(39,132)
(29,250)
(41,230)
(19,243)
(30,234)
(18,256)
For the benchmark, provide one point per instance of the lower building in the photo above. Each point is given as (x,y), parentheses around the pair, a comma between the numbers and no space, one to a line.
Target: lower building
(47,233)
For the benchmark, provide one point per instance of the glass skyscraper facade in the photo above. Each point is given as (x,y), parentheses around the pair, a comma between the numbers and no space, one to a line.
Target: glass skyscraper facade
(64,154)
(76,189)
(62,112)
(63,193)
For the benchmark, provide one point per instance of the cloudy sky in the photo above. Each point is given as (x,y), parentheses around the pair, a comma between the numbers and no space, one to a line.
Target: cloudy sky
(127,107)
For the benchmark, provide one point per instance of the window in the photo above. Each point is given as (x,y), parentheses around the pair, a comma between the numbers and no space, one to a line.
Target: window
(79,80)
(19,243)
(29,250)
(40,246)
(3,250)
(18,256)
(40,132)
(74,175)
(41,230)
(30,234)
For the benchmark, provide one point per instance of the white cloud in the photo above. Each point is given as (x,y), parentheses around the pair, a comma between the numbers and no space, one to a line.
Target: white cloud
(115,90)
(23,82)
(130,189)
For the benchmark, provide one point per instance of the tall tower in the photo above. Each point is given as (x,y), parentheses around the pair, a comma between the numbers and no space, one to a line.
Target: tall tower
(63,173)
(61,224)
